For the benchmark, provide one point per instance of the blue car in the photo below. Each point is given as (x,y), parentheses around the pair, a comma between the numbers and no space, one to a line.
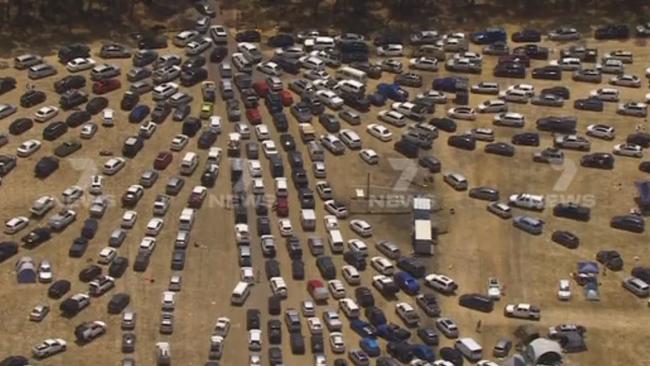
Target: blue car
(423,352)
(407,283)
(139,113)
(489,36)
(363,329)
(370,346)
(393,91)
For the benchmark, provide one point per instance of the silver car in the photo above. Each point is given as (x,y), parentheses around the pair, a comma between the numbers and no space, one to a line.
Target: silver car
(529,224)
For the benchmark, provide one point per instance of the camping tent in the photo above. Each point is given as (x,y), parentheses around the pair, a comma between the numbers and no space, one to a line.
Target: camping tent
(26,270)
(543,351)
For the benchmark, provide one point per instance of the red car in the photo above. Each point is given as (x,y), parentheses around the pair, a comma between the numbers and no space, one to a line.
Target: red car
(195,200)
(163,159)
(286,98)
(253,116)
(317,290)
(282,206)
(105,86)
(261,88)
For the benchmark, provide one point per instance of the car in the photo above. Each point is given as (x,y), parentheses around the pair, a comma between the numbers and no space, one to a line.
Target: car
(626,80)
(485,87)
(500,148)
(361,227)
(379,131)
(564,290)
(630,222)
(628,149)
(598,161)
(447,327)
(45,274)
(456,181)
(564,34)
(484,193)
(465,113)
(7,110)
(336,208)
(494,288)
(39,312)
(588,75)
(336,288)
(15,224)
(636,109)
(601,131)
(548,100)
(369,156)
(531,225)
(28,147)
(575,142)
(49,347)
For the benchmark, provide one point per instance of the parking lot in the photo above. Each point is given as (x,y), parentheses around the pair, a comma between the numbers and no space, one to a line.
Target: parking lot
(476,245)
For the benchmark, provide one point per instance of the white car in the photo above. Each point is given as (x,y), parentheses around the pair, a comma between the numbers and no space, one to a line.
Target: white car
(567,63)
(493,106)
(337,344)
(48,348)
(441,283)
(147,129)
(107,255)
(269,68)
(96,184)
(315,325)
(331,222)
(71,194)
(27,148)
(154,226)
(255,168)
(514,95)
(494,288)
(332,320)
(435,96)
(285,227)
(424,63)
(462,112)
(605,94)
(564,290)
(15,224)
(80,64)
(481,134)
(472,56)
(526,88)
(379,131)
(336,289)
(262,132)
(254,340)
(330,99)
(390,50)
(88,130)
(269,148)
(628,149)
(361,227)
(308,308)
(626,80)
(45,274)
(198,46)
(611,66)
(485,87)
(164,91)
(247,274)
(147,245)
(510,119)
(357,245)
(392,117)
(369,156)
(636,109)
(128,219)
(221,327)
(382,265)
(114,165)
(351,275)
(46,113)
(179,142)
(319,169)
(601,131)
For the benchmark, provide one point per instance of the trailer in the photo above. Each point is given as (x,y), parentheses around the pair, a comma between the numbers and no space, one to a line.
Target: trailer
(422,239)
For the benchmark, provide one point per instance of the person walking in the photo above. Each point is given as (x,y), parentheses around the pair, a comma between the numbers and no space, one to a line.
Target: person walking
(478,326)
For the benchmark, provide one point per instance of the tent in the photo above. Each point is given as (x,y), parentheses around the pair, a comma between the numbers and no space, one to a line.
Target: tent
(26,270)
(572,342)
(588,267)
(543,351)
(515,360)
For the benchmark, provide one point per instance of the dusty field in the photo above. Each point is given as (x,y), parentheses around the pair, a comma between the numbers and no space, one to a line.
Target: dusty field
(478,245)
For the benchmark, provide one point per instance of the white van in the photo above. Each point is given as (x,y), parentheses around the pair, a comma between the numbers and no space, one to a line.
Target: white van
(335,240)
(350,73)
(281,189)
(214,155)
(349,307)
(278,287)
(241,63)
(308,219)
(350,86)
(189,163)
(240,293)
(108,116)
(469,348)
(186,219)
(316,152)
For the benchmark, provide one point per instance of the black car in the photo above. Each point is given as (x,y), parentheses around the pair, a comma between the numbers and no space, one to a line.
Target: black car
(36,237)
(329,122)
(573,211)
(510,70)
(287,142)
(478,302)
(409,79)
(500,148)
(274,330)
(160,112)
(118,303)
(533,51)
(526,139)
(78,248)
(77,118)
(549,72)
(118,267)
(69,82)
(452,355)
(429,304)
(152,41)
(364,298)
(181,112)
(218,53)
(612,31)
(297,269)
(589,104)
(630,222)
(272,268)
(565,125)
(193,76)
(527,35)
(560,91)
(32,98)
(96,105)
(72,98)
(46,166)
(143,58)
(58,289)
(641,272)
(355,259)
(89,229)
(7,83)
(20,126)
(444,124)
(326,267)
(464,142)
(610,259)
(89,273)
(639,138)
(72,51)
(306,198)
(128,342)
(193,62)
(129,101)
(598,161)
(7,250)
(484,193)
(248,36)
(280,41)
(253,317)
(429,336)
(566,239)
(401,351)
(431,163)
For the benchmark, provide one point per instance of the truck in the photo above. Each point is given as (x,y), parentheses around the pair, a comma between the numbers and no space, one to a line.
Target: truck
(234,144)
(422,239)
(308,220)
(307,132)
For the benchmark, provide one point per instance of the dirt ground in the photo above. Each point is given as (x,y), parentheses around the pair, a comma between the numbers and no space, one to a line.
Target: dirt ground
(478,245)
